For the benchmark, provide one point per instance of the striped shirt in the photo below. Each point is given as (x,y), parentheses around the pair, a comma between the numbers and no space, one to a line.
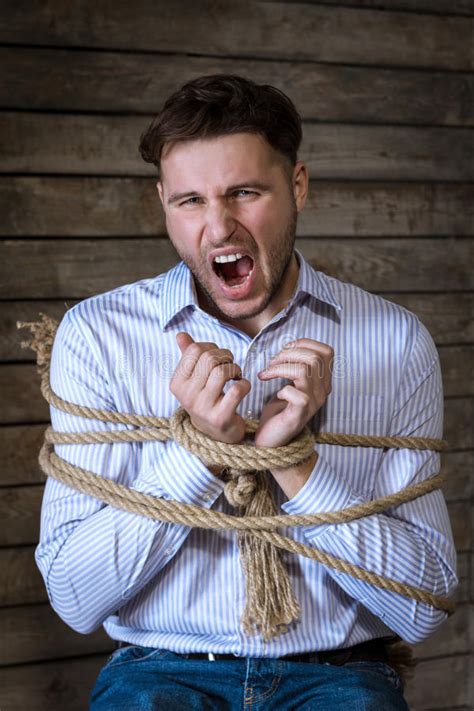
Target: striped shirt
(166,585)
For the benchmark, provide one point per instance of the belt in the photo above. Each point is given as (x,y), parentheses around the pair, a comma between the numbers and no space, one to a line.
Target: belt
(374,650)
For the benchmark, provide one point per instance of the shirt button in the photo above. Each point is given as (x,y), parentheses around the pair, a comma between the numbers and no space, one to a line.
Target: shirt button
(249,414)
(206,497)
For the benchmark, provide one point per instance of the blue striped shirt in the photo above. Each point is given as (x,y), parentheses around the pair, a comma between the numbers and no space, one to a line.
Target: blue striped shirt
(166,585)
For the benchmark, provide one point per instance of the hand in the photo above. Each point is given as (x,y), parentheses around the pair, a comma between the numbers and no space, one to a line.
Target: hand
(308,364)
(198,383)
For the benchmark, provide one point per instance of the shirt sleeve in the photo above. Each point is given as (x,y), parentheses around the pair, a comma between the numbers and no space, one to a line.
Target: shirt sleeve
(411,543)
(94,557)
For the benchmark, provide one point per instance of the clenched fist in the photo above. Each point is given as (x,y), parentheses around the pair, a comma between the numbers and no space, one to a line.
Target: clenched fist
(198,384)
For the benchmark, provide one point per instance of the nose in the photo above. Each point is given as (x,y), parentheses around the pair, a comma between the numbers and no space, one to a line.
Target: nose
(220,223)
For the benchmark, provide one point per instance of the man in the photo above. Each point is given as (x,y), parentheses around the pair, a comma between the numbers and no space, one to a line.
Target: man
(243,327)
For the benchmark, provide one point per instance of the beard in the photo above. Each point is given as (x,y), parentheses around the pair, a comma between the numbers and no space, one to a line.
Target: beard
(279,258)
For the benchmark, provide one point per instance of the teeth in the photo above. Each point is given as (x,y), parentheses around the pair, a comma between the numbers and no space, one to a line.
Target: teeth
(228,258)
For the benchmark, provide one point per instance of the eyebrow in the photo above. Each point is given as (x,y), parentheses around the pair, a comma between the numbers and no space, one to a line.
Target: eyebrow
(175,197)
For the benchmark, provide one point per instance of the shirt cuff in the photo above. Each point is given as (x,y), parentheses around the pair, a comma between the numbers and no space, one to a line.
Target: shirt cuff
(324,491)
(181,476)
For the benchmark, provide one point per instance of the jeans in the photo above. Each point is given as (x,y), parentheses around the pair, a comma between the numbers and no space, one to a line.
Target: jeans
(146,679)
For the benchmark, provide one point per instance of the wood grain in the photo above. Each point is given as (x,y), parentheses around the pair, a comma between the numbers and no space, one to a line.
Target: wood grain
(58,79)
(108,145)
(245,29)
(441,683)
(457,366)
(59,684)
(50,206)
(447,7)
(65,269)
(32,633)
(21,580)
(458,418)
(19,449)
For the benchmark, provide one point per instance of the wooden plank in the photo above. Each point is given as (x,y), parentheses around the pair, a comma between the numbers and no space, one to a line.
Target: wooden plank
(463,592)
(65,269)
(50,686)
(19,449)
(114,207)
(108,145)
(23,401)
(21,580)
(245,29)
(457,468)
(33,633)
(453,637)
(58,79)
(20,507)
(448,317)
(443,7)
(457,366)
(439,684)
(460,516)
(458,418)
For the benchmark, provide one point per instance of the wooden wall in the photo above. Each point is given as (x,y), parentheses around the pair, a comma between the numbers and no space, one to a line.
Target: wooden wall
(385,90)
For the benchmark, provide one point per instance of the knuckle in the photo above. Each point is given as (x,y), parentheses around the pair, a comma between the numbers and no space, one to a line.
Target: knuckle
(194,350)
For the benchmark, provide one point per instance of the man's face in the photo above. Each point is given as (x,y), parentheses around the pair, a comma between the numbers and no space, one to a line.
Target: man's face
(234,195)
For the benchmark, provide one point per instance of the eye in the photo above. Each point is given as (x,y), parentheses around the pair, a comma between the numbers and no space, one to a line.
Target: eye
(190,201)
(243,192)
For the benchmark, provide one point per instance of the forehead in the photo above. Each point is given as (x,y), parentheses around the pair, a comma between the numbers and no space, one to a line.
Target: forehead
(224,159)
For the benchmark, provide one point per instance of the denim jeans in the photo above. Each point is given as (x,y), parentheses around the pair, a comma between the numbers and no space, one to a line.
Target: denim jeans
(145,679)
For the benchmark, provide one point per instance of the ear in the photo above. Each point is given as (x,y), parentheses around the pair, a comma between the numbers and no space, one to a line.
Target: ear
(159,187)
(300,184)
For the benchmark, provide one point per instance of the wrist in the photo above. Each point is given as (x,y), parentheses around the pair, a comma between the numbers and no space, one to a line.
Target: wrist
(292,479)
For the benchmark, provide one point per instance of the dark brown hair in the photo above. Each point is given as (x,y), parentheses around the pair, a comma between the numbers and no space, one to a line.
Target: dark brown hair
(220,105)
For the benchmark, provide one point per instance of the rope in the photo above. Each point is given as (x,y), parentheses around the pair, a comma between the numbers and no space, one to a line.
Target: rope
(257,534)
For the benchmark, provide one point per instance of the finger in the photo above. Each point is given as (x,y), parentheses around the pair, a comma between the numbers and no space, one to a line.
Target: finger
(191,358)
(309,356)
(297,372)
(183,340)
(218,377)
(324,348)
(207,361)
(234,396)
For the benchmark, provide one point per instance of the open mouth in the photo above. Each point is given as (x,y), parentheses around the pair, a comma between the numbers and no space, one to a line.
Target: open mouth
(234,273)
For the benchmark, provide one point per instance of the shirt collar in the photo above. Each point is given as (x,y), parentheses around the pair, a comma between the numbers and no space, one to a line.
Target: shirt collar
(179,291)
(314,283)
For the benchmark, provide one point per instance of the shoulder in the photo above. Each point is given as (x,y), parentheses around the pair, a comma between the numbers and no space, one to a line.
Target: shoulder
(362,310)
(121,301)
(381,329)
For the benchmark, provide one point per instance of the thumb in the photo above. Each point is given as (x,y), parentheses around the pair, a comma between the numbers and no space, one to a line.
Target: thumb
(183,340)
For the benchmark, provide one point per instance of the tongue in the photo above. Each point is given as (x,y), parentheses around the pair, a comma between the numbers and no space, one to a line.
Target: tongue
(236,270)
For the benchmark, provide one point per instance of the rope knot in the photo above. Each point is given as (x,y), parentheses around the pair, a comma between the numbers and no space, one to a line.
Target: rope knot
(240,487)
